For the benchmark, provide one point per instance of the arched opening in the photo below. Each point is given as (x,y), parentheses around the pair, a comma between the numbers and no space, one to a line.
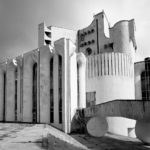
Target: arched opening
(60,87)
(34,95)
(15,94)
(4,96)
(51,92)
(88,51)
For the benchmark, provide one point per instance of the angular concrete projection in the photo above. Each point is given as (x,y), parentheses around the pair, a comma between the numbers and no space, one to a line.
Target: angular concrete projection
(10,91)
(45,57)
(2,91)
(73,85)
(133,109)
(28,62)
(66,49)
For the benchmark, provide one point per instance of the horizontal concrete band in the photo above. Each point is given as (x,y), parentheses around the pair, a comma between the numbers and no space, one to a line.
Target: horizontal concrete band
(133,109)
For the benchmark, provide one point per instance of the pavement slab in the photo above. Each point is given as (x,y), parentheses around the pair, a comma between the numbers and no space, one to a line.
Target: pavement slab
(44,137)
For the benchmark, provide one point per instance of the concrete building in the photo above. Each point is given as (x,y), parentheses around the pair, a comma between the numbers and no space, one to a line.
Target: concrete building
(71,70)
(110,66)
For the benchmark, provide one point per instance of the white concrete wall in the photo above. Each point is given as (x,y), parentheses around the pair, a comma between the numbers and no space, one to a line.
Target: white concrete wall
(81,61)
(45,56)
(61,49)
(73,85)
(28,61)
(58,33)
(2,70)
(66,49)
(10,91)
(19,88)
(112,78)
(122,35)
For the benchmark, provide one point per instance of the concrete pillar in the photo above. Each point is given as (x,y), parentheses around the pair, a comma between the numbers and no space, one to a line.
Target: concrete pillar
(2,90)
(65,48)
(45,56)
(81,61)
(10,91)
(56,111)
(28,62)
(19,88)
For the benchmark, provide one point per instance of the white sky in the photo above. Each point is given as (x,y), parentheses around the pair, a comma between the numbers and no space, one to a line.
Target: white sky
(19,20)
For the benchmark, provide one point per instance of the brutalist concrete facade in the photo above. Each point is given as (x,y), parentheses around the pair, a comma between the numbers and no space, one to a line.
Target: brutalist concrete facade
(71,70)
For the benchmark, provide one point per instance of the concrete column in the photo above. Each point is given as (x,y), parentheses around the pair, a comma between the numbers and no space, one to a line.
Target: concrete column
(66,49)
(56,111)
(81,60)
(45,57)
(29,60)
(19,88)
(102,61)
(10,91)
(1,94)
(2,70)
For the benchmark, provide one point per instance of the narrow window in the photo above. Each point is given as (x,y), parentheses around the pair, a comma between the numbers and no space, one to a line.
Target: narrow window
(90,98)
(51,92)
(4,98)
(78,83)
(34,96)
(60,87)
(16,95)
(88,51)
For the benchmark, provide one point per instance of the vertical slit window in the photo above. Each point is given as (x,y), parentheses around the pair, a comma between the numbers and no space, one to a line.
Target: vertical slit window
(51,92)
(4,97)
(108,64)
(97,65)
(34,98)
(15,94)
(78,83)
(60,87)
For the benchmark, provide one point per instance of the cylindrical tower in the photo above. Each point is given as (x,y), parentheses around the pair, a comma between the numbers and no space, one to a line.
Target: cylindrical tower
(110,75)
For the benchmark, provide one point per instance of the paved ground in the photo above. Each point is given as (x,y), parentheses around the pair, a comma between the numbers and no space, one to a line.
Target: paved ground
(43,137)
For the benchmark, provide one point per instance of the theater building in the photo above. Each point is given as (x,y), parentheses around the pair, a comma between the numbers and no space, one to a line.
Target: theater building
(71,70)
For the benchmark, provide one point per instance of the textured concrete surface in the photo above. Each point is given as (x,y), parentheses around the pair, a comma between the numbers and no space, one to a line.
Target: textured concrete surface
(133,109)
(44,137)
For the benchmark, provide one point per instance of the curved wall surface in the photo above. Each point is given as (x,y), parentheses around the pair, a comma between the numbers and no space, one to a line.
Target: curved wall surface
(111,76)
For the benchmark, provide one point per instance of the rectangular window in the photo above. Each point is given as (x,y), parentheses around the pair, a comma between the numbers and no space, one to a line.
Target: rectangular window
(90,98)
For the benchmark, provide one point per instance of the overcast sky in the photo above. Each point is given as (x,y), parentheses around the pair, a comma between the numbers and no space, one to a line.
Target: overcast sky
(19,20)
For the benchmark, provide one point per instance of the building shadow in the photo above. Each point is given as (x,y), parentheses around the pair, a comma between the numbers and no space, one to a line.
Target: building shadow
(109,143)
